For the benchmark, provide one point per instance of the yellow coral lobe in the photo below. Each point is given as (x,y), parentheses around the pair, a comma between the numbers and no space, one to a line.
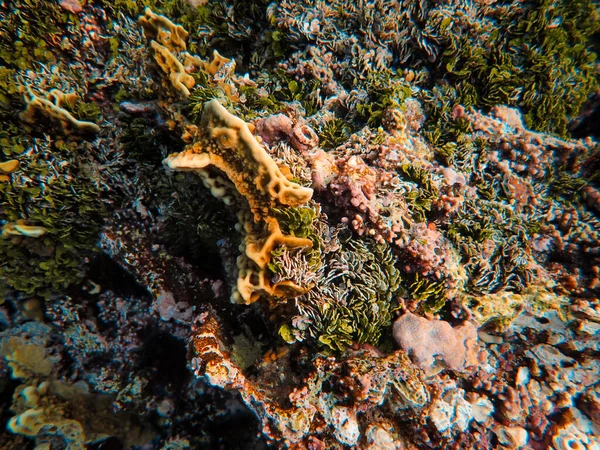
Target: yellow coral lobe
(227,144)
(230,146)
(216,64)
(30,231)
(51,108)
(260,252)
(163,30)
(9,166)
(20,229)
(9,230)
(181,81)
(167,41)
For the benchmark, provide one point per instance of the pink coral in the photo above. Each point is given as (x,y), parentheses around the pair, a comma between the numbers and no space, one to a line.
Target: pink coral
(168,308)
(281,127)
(431,341)
(323,169)
(425,248)
(274,128)
(73,6)
(359,186)
(592,197)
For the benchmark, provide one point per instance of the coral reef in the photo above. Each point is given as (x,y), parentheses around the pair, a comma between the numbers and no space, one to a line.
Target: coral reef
(53,410)
(394,243)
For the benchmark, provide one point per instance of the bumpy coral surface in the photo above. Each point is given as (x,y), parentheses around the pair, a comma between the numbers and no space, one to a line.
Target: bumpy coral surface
(311,225)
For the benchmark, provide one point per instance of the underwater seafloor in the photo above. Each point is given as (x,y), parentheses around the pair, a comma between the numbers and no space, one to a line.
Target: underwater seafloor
(299,224)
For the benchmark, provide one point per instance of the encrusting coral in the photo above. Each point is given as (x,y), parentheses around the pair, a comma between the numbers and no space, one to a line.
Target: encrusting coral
(54,411)
(170,39)
(371,381)
(430,342)
(226,143)
(71,414)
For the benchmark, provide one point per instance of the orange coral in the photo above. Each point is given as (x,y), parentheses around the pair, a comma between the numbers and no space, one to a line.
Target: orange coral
(227,144)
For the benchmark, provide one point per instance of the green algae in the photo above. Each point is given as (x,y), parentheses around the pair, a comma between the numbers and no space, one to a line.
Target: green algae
(54,187)
(334,133)
(385,90)
(62,199)
(539,58)
(419,200)
(300,222)
(430,294)
(31,32)
(356,301)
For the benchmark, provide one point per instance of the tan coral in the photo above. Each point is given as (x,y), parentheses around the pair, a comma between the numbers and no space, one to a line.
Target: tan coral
(216,64)
(227,144)
(51,107)
(71,415)
(221,74)
(252,275)
(26,359)
(168,41)
(163,30)
(9,167)
(180,80)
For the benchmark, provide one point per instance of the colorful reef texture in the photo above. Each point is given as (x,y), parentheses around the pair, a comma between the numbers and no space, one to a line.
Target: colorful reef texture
(311,224)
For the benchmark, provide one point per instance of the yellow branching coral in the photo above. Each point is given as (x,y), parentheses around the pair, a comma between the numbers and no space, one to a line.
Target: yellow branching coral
(168,38)
(226,143)
(51,107)
(163,30)
(180,80)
